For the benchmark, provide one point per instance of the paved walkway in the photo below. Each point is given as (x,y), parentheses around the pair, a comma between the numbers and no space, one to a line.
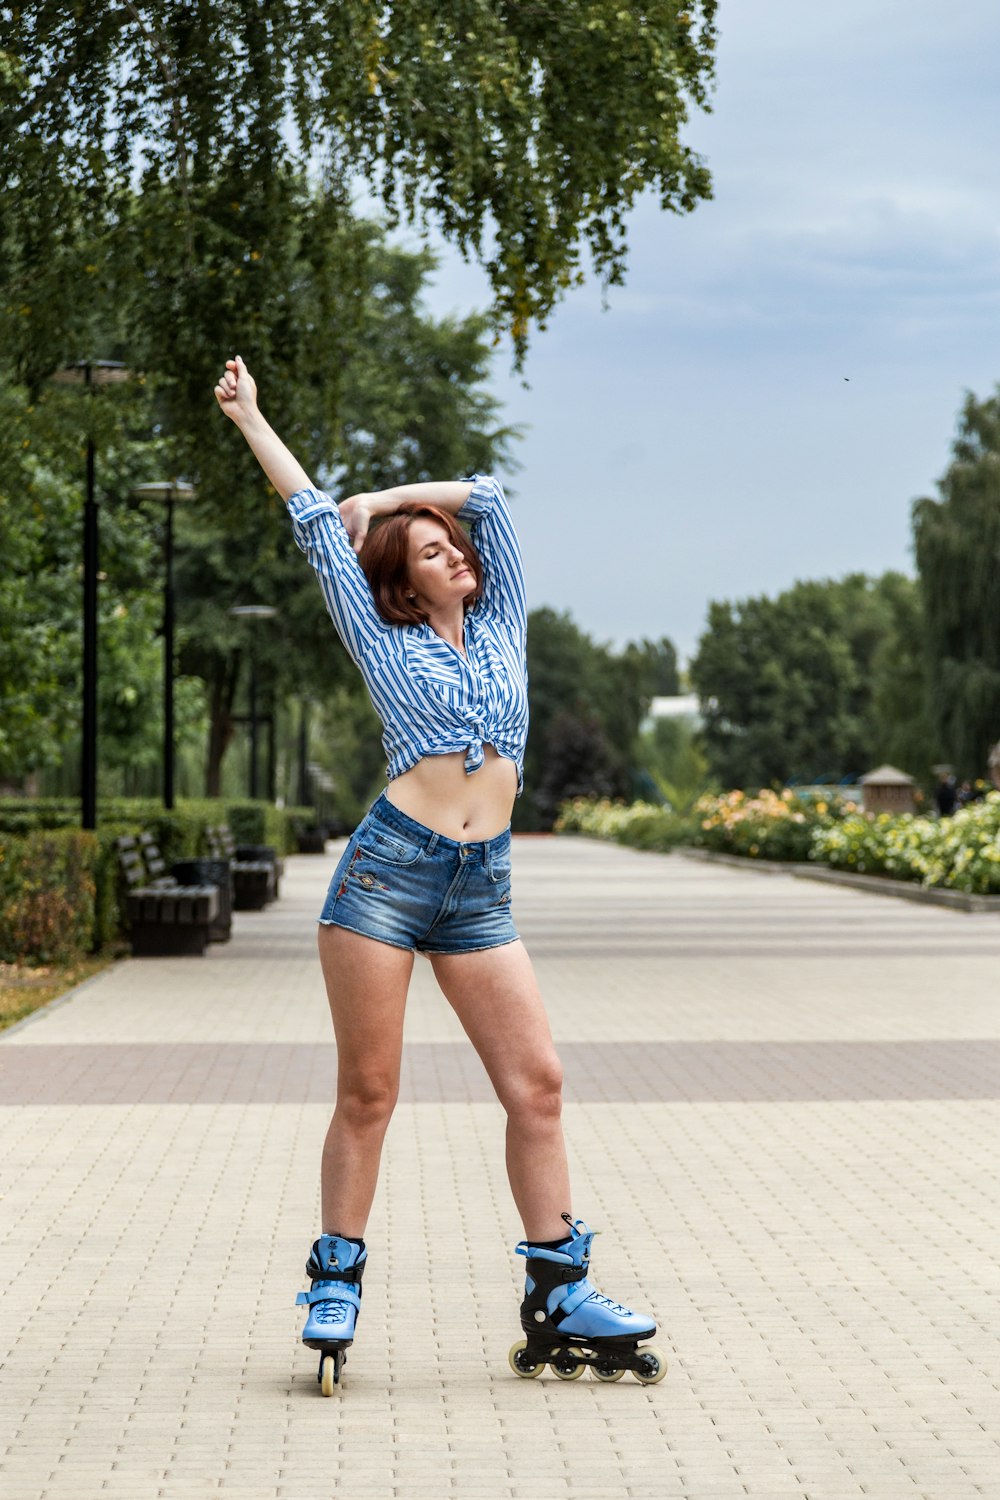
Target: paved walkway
(782,1110)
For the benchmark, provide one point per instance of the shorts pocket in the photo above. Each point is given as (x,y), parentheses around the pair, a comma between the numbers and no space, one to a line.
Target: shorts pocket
(388,846)
(498,865)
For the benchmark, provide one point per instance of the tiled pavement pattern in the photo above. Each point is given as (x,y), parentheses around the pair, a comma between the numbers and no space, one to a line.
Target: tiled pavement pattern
(783,1114)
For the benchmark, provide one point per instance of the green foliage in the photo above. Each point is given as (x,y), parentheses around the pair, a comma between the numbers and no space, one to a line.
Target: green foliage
(262,823)
(823,681)
(522,131)
(586,704)
(47,890)
(640,825)
(181,833)
(418,384)
(61,892)
(957,545)
(348,749)
(670,752)
(654,664)
(959,853)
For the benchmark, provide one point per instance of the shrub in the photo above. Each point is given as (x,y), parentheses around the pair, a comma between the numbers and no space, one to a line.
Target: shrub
(641,825)
(48,887)
(765,825)
(960,853)
(263,823)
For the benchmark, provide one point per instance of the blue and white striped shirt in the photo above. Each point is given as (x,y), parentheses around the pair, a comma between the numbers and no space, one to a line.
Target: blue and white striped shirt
(430,698)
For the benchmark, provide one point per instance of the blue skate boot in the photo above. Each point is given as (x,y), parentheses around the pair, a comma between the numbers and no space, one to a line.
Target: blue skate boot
(334,1301)
(569,1324)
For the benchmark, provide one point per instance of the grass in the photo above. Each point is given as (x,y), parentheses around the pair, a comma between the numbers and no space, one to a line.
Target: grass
(24,989)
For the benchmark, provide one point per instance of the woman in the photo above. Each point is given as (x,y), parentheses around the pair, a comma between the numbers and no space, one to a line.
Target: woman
(437,626)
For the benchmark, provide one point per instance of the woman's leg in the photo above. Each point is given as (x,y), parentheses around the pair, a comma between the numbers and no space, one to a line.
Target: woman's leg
(495,996)
(366,983)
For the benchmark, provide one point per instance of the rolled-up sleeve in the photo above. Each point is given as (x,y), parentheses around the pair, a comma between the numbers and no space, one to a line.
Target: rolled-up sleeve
(496,542)
(319,532)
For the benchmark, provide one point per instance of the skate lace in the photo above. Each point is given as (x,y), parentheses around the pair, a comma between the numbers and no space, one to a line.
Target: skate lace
(609,1302)
(331,1310)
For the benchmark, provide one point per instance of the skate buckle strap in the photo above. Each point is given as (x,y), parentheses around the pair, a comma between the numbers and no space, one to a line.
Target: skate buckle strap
(328,1291)
(336,1273)
(557,1275)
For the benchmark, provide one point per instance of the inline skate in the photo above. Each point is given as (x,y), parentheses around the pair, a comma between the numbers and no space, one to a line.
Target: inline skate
(334,1300)
(569,1324)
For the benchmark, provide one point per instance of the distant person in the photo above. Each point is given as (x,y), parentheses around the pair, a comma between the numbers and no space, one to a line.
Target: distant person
(437,623)
(946,792)
(993,763)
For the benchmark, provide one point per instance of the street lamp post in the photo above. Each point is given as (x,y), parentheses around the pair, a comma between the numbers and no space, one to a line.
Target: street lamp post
(168,492)
(253,612)
(90,373)
(305,795)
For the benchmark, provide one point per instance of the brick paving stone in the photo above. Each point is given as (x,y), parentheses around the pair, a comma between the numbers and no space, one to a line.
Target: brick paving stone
(782,1106)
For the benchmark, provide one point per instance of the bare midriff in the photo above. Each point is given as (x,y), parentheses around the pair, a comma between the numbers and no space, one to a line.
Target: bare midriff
(441,794)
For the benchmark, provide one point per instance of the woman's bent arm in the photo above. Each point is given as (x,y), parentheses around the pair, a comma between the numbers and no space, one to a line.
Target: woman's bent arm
(236,394)
(358,510)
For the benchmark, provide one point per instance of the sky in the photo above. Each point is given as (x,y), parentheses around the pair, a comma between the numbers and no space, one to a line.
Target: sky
(781,375)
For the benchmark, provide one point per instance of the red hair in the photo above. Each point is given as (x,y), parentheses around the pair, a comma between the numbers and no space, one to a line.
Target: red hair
(385,561)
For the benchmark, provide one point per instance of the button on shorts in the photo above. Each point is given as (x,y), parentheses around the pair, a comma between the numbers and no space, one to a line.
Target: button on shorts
(403,884)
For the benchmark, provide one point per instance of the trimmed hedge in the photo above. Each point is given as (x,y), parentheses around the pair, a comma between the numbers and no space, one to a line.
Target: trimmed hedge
(61,893)
(48,885)
(179,833)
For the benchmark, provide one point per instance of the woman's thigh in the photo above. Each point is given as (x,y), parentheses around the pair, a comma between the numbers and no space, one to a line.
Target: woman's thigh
(366,985)
(496,997)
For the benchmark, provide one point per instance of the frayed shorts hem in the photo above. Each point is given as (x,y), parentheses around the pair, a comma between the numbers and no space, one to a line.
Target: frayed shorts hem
(479,947)
(410,948)
(330,922)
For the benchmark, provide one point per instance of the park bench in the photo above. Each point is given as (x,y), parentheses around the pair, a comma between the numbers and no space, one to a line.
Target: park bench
(165,918)
(193,872)
(257,870)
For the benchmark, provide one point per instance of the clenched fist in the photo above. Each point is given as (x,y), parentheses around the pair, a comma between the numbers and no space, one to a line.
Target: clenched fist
(236,391)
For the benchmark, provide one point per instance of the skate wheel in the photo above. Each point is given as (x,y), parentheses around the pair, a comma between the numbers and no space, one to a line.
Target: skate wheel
(606,1372)
(330,1366)
(521,1363)
(654,1366)
(567,1366)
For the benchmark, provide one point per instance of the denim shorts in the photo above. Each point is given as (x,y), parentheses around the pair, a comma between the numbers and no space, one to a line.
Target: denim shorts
(404,884)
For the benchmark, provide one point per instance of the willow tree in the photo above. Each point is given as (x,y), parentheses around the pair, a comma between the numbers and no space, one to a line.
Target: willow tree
(957,544)
(523,132)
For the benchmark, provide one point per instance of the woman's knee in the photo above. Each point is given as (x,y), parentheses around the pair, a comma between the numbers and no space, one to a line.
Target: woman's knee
(537,1091)
(364,1102)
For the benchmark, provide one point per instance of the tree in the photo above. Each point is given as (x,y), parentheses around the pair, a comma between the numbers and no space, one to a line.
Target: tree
(393,395)
(656,665)
(414,407)
(523,132)
(669,752)
(586,705)
(957,545)
(801,686)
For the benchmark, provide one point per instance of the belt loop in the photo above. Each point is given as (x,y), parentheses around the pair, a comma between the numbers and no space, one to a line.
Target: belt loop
(432,843)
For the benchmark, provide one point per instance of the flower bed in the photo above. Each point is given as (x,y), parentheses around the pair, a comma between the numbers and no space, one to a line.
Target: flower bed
(960,853)
(765,825)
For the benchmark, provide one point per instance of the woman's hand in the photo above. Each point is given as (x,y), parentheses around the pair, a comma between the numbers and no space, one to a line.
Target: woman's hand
(236,391)
(356,513)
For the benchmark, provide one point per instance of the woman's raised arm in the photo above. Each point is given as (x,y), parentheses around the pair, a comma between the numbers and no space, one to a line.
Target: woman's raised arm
(236,394)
